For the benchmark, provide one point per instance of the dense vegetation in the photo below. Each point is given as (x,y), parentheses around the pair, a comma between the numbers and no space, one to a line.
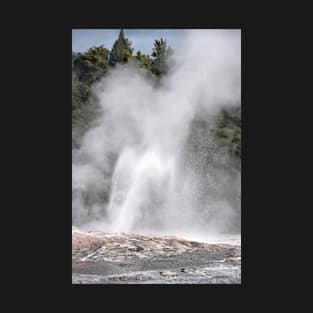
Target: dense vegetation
(89,67)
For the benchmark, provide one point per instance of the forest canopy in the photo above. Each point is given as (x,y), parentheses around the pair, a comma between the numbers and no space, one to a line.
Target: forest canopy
(89,67)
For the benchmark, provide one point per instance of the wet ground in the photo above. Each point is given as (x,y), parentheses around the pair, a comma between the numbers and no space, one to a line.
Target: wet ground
(101,258)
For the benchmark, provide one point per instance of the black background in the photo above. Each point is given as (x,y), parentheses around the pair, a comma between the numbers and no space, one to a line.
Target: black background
(36,141)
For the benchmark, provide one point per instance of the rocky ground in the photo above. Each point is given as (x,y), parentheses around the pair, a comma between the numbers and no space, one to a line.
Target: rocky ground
(103,258)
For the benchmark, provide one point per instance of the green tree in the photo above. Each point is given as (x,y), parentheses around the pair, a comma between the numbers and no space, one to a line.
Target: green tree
(121,51)
(143,60)
(161,52)
(92,65)
(87,68)
(227,130)
(138,55)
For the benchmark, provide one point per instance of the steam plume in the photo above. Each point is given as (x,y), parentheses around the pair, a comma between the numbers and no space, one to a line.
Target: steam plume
(133,172)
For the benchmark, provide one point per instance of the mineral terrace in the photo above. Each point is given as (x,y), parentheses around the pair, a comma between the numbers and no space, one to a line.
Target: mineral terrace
(130,258)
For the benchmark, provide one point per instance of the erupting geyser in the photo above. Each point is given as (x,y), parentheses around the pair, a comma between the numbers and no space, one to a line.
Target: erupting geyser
(132,171)
(140,186)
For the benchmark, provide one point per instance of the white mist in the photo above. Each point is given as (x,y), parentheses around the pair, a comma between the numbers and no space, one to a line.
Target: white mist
(144,129)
